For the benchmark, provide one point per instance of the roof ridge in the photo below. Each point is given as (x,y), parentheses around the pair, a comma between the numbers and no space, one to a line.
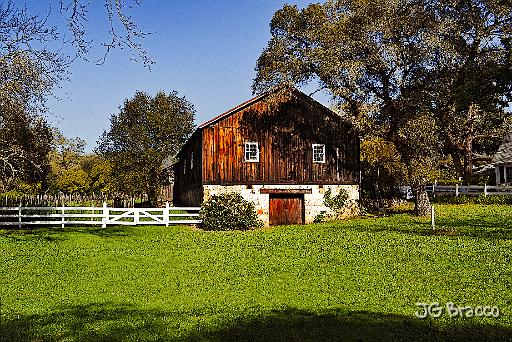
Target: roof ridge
(243,104)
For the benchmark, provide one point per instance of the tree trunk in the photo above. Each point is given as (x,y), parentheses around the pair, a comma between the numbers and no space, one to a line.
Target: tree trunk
(153,188)
(457,164)
(152,196)
(421,202)
(468,158)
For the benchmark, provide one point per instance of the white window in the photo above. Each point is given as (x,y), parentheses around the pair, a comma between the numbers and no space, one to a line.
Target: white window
(191,160)
(318,153)
(252,152)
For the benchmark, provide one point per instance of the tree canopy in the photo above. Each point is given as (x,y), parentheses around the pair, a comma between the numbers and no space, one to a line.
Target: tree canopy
(146,131)
(35,55)
(25,142)
(415,73)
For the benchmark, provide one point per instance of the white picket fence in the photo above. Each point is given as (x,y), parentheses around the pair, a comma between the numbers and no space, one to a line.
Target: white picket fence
(469,190)
(104,216)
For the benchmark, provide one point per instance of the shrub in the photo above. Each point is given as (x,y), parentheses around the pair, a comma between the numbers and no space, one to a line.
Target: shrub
(229,211)
(320,217)
(463,199)
(337,202)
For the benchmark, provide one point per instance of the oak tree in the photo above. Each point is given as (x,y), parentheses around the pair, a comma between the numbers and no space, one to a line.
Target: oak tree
(392,70)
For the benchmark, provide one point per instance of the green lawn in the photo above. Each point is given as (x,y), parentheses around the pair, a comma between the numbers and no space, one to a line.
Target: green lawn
(356,280)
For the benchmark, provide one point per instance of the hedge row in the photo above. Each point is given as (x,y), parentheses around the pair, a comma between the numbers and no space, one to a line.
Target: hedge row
(464,199)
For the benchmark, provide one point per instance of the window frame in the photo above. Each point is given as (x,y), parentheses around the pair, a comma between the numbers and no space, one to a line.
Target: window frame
(247,144)
(313,146)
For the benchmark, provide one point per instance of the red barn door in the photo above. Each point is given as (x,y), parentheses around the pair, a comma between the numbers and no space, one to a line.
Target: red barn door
(286,209)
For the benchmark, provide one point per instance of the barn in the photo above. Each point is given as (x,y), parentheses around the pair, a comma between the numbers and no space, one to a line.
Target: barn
(282,150)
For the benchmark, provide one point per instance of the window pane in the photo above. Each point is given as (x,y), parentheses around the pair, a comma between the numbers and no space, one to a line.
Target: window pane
(318,153)
(251,152)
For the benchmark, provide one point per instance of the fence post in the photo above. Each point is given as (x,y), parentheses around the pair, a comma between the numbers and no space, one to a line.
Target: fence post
(136,216)
(166,214)
(434,188)
(485,190)
(105,215)
(62,211)
(19,216)
(433,216)
(456,190)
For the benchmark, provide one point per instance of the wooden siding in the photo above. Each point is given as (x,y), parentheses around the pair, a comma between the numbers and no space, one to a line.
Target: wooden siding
(285,136)
(190,178)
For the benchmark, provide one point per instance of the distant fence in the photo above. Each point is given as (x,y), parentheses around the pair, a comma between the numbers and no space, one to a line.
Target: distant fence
(103,216)
(59,200)
(468,190)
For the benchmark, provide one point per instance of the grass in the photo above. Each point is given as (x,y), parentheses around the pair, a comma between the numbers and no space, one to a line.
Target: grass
(355,280)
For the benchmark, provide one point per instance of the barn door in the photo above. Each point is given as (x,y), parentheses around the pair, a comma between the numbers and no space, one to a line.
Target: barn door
(286,209)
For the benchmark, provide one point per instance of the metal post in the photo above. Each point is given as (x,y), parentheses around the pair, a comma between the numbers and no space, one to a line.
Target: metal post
(485,190)
(105,215)
(456,190)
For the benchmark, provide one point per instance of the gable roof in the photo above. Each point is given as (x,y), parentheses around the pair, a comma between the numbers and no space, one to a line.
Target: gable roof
(250,102)
(245,104)
(234,110)
(258,98)
(504,154)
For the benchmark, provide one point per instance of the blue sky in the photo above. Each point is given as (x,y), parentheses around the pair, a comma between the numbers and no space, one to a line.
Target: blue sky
(205,50)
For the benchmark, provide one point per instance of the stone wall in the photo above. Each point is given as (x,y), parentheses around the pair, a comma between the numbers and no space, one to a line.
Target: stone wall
(313,203)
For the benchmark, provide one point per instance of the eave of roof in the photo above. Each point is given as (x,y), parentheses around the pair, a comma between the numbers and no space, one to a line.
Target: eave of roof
(237,108)
(504,154)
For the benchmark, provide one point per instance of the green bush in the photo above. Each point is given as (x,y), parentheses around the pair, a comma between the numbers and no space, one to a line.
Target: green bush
(320,217)
(337,202)
(481,199)
(229,211)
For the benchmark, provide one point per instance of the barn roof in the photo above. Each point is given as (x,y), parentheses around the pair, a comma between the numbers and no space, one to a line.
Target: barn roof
(232,110)
(239,107)
(250,103)
(504,154)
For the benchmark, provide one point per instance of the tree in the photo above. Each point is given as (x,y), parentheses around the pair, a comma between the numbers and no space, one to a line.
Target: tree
(382,170)
(472,82)
(100,174)
(146,131)
(32,56)
(67,174)
(25,142)
(32,63)
(385,64)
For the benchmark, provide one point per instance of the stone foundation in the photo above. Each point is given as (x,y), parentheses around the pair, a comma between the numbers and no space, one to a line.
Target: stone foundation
(313,203)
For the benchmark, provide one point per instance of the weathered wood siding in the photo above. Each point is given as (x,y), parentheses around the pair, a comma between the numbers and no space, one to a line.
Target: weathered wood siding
(285,136)
(187,180)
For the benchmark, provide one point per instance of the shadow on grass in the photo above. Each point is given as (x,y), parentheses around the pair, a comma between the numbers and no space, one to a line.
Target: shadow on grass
(59,234)
(109,322)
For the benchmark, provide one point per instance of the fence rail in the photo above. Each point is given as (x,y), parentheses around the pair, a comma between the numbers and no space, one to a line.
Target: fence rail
(34,216)
(469,190)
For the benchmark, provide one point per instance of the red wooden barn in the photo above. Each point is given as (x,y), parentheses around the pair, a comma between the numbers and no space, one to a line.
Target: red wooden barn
(282,150)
